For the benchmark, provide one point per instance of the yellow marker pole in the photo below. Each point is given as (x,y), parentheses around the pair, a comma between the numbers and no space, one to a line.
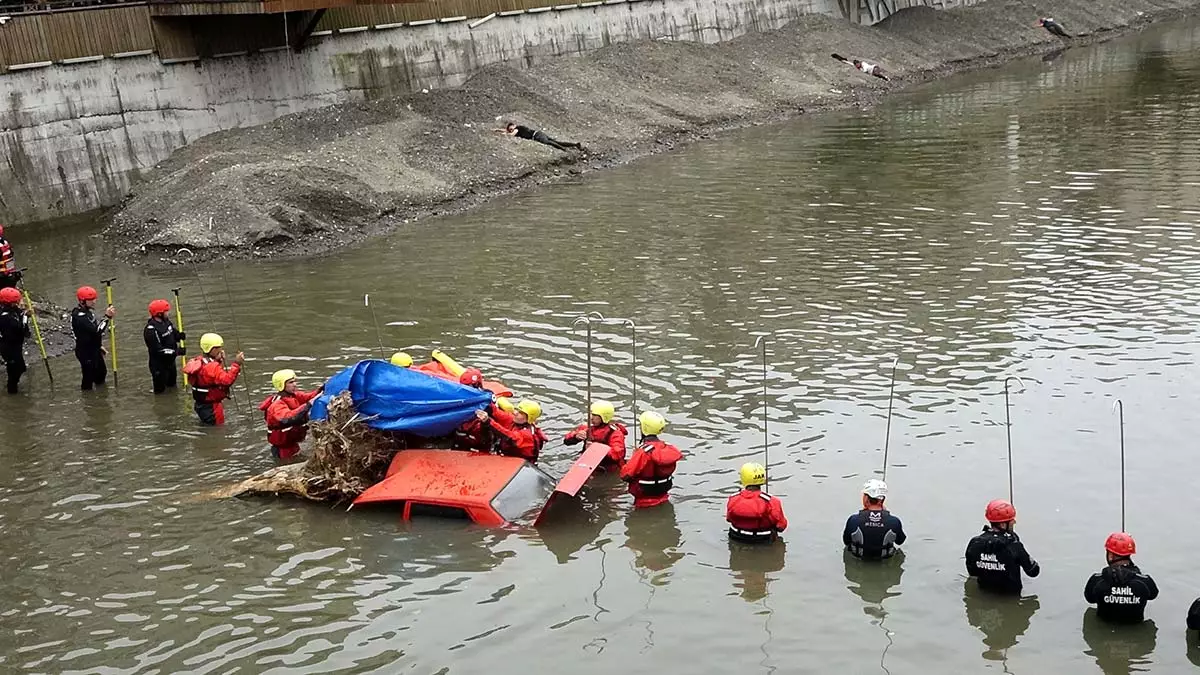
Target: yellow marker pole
(112,327)
(179,327)
(37,335)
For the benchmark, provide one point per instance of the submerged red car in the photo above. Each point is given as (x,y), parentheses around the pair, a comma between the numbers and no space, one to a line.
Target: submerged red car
(490,490)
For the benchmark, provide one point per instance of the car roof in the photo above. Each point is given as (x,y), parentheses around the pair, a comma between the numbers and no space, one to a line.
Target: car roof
(448,477)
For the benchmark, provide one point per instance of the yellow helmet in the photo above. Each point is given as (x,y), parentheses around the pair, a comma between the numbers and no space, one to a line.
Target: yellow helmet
(652,423)
(210,341)
(281,378)
(753,473)
(401,359)
(604,410)
(505,403)
(531,409)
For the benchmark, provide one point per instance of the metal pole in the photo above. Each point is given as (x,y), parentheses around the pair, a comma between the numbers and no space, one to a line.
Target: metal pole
(1120,407)
(633,336)
(112,328)
(887,434)
(762,341)
(1008,433)
(378,335)
(232,315)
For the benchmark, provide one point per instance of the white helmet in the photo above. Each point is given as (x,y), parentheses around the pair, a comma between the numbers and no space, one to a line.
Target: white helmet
(875,489)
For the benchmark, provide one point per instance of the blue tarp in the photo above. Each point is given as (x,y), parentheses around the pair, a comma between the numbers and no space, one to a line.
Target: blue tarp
(399,399)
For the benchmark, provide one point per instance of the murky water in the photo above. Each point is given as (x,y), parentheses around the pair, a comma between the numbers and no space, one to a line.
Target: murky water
(1039,221)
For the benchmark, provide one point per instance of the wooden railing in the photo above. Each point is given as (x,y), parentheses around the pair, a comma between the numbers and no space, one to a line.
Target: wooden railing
(70,34)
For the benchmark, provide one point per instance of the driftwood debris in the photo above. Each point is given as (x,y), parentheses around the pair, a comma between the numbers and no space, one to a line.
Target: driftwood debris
(347,457)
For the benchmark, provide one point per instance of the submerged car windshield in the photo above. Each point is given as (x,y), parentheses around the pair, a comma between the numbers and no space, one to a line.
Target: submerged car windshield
(524,495)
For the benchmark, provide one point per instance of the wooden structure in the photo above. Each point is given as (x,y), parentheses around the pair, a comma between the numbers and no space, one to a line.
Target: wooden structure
(187,30)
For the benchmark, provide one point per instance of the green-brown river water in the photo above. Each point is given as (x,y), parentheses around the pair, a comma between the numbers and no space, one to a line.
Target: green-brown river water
(1040,220)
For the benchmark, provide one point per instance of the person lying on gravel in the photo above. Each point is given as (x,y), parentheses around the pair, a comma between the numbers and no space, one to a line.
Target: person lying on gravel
(864,66)
(521,131)
(1054,27)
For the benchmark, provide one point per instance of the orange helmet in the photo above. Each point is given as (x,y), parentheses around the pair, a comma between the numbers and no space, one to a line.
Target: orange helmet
(471,377)
(1119,543)
(159,307)
(86,293)
(1000,511)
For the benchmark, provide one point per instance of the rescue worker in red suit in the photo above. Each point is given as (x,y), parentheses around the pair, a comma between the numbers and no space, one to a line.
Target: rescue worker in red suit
(649,470)
(603,430)
(286,414)
(753,515)
(473,434)
(211,380)
(9,274)
(519,435)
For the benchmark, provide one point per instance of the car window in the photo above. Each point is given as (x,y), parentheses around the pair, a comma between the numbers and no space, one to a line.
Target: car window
(438,511)
(524,495)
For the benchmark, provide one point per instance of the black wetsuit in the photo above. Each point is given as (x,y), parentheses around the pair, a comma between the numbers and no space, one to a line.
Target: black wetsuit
(543,138)
(162,343)
(1120,593)
(89,338)
(996,557)
(1193,617)
(14,328)
(873,535)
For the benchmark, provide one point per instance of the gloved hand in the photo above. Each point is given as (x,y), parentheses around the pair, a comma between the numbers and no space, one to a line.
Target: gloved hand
(181,336)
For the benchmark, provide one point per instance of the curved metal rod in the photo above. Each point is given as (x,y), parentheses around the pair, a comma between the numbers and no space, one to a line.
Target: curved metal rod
(1008,432)
(587,404)
(633,336)
(1119,407)
(762,341)
(887,434)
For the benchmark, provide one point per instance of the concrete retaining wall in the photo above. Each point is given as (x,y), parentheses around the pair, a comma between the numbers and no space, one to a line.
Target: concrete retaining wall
(75,137)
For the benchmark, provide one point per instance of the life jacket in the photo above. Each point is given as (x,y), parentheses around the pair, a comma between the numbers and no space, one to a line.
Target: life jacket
(205,387)
(749,517)
(655,479)
(473,435)
(193,365)
(508,446)
(603,435)
(278,435)
(8,263)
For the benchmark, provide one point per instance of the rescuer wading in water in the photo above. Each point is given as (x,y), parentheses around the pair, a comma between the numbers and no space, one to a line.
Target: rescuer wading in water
(649,471)
(753,515)
(873,533)
(996,557)
(1120,591)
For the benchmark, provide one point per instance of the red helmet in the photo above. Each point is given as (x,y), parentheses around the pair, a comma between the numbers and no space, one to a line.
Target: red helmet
(1000,511)
(86,293)
(1119,543)
(10,296)
(472,377)
(159,307)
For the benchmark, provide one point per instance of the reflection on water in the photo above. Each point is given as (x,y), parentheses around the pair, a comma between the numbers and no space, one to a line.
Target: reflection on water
(753,565)
(1039,220)
(654,537)
(874,581)
(1002,619)
(1119,650)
